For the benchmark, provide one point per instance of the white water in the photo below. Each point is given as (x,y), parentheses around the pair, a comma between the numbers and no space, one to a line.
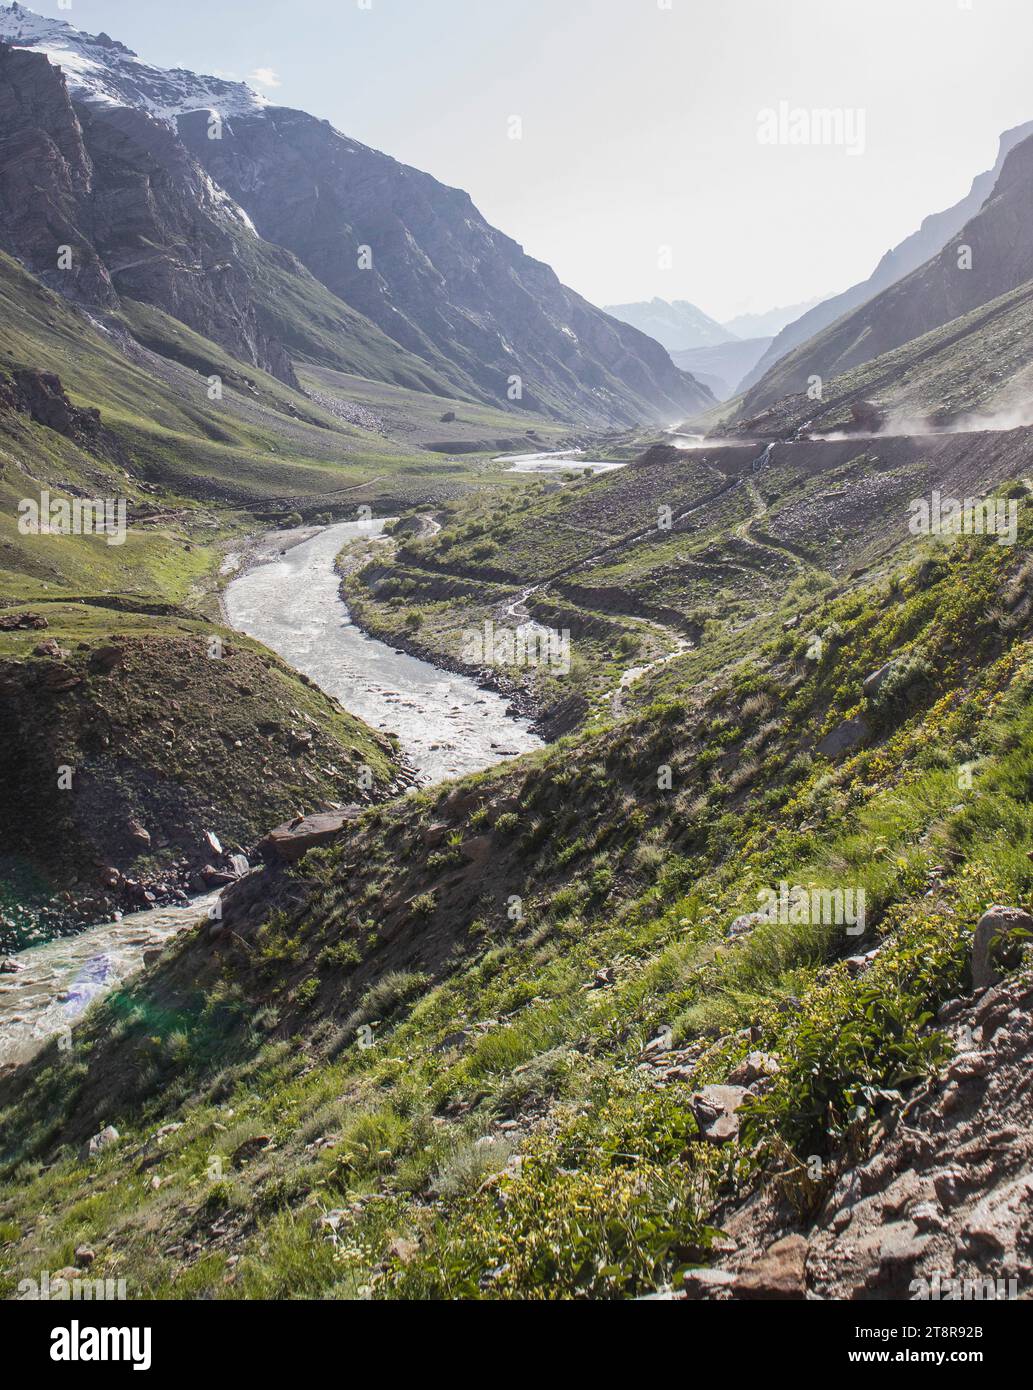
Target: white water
(447,725)
(56,982)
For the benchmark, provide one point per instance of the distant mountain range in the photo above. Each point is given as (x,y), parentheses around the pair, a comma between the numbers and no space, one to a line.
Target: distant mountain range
(722,367)
(677,326)
(683,327)
(771,321)
(279,238)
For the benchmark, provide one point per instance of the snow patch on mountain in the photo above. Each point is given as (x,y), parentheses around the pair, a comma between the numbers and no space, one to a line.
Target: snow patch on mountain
(100,69)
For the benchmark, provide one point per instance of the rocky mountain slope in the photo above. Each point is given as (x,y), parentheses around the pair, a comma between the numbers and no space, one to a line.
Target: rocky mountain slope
(975,373)
(941,1208)
(933,235)
(123,170)
(103,204)
(952,283)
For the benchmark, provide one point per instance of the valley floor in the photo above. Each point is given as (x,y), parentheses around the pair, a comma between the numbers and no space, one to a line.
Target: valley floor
(526,1035)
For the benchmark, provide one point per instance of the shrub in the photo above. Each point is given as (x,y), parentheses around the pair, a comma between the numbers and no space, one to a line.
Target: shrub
(381,999)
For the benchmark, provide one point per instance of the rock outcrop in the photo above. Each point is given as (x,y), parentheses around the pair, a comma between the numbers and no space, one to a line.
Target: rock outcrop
(944,1204)
(103,203)
(292,841)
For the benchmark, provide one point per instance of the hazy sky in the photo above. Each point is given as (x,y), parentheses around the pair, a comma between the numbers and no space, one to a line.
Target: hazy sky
(640,118)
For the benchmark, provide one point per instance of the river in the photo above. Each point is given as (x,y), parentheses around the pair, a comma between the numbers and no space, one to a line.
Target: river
(53,984)
(565,461)
(446,724)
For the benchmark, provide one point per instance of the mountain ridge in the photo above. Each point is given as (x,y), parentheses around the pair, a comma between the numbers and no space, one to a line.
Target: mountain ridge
(487,321)
(677,324)
(988,261)
(931,236)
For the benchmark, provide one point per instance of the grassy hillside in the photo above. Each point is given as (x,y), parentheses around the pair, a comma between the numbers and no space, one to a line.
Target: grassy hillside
(110,675)
(712,549)
(398,1074)
(972,371)
(161,721)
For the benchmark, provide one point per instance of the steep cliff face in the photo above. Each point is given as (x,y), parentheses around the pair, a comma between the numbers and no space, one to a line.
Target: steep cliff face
(46,177)
(420,261)
(103,202)
(222,232)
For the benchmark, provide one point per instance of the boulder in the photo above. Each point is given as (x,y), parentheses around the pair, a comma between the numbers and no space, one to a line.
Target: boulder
(105,659)
(748,922)
(139,835)
(57,677)
(462,801)
(290,842)
(476,848)
(857,965)
(250,1149)
(434,835)
(994,923)
(845,737)
(703,1284)
(14,622)
(100,1141)
(715,1109)
(754,1067)
(874,683)
(217,878)
(780,1273)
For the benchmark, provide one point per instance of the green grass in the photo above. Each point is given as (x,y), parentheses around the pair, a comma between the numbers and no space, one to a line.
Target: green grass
(483,1019)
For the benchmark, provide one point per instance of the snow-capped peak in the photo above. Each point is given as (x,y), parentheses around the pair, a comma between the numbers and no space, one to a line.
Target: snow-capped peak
(99,69)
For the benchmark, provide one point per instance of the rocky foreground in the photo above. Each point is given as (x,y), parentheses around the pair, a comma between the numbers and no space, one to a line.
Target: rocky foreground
(943,1209)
